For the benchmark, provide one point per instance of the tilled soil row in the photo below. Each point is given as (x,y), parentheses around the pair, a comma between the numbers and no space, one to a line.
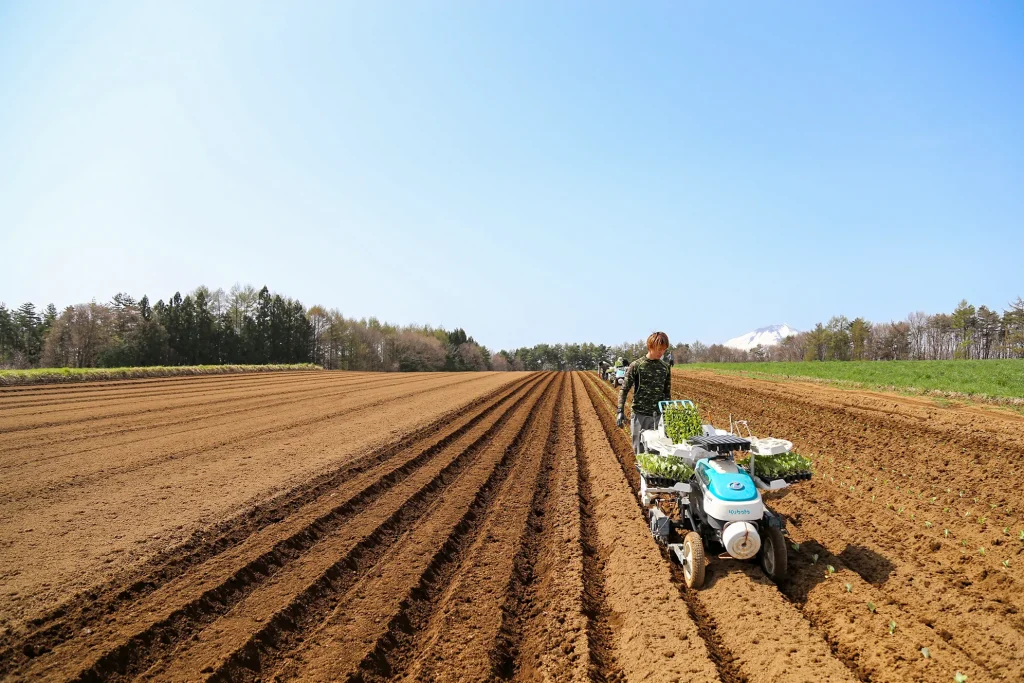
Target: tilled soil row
(282,527)
(159,419)
(367,626)
(68,397)
(911,582)
(70,422)
(756,633)
(94,516)
(655,634)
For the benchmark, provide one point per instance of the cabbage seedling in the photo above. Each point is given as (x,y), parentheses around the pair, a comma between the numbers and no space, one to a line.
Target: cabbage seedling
(872,608)
(1006,563)
(892,627)
(959,677)
(849,588)
(796,547)
(831,569)
(814,558)
(926,653)
(927,524)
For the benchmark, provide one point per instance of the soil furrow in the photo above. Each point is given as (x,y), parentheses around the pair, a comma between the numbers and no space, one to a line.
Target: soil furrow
(463,639)
(661,643)
(328,630)
(952,601)
(976,626)
(769,639)
(96,466)
(171,614)
(121,522)
(71,419)
(545,628)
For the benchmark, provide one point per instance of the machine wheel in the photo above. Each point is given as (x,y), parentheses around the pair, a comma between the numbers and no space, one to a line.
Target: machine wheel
(693,560)
(774,560)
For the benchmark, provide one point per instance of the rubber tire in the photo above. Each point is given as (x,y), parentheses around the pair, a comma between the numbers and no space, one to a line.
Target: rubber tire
(695,544)
(773,556)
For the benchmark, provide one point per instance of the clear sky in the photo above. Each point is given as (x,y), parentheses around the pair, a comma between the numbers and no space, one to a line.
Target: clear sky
(528,171)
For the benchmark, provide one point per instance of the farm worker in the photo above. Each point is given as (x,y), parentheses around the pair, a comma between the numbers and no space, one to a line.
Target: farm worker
(602,368)
(619,362)
(651,380)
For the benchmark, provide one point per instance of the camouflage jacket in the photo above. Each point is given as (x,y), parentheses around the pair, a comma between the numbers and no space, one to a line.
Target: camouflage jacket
(652,382)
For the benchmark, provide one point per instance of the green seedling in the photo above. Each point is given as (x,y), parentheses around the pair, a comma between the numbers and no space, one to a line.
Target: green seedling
(872,608)
(831,569)
(682,422)
(959,677)
(892,627)
(814,558)
(1006,563)
(666,466)
(912,515)
(981,550)
(1006,531)
(1022,534)
(926,653)
(945,532)
(927,524)
(982,520)
(849,588)
(945,509)
(796,546)
(872,498)
(900,511)
(963,542)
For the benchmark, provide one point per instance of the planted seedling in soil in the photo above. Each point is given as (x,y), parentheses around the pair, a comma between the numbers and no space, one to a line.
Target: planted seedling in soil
(872,608)
(926,653)
(892,628)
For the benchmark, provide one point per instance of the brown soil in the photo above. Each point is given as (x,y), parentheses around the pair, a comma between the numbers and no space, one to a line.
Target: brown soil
(470,527)
(906,493)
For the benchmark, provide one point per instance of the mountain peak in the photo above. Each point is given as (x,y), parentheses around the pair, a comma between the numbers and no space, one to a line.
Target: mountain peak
(762,336)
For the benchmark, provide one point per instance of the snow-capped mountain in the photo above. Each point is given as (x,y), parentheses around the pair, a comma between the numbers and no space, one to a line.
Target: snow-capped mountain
(763,336)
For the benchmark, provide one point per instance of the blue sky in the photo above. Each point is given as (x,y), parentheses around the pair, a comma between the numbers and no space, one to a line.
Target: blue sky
(529,171)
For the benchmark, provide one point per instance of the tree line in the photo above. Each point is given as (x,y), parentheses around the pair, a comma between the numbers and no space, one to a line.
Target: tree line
(967,332)
(210,327)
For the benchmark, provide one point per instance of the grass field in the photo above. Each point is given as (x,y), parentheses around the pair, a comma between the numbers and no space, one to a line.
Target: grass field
(985,378)
(69,375)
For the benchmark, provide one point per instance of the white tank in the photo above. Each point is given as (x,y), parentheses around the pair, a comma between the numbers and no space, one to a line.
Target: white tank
(741,540)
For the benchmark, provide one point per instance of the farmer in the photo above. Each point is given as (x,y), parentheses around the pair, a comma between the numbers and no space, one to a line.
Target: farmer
(602,368)
(651,380)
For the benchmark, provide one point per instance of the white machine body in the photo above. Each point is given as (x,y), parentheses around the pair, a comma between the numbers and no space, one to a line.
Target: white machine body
(730,511)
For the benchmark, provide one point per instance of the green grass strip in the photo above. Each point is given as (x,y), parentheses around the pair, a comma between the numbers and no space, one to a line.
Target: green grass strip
(72,375)
(972,378)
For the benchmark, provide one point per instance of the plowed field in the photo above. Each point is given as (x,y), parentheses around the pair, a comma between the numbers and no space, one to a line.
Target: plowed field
(465,527)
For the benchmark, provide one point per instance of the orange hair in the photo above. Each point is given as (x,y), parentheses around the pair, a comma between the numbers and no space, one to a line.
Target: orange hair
(657,340)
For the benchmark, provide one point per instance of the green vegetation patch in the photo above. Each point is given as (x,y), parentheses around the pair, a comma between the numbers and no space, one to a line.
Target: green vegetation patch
(682,422)
(775,466)
(1002,378)
(668,467)
(70,375)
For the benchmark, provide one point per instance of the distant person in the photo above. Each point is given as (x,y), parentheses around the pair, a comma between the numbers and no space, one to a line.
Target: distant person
(651,379)
(620,361)
(602,368)
(669,358)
